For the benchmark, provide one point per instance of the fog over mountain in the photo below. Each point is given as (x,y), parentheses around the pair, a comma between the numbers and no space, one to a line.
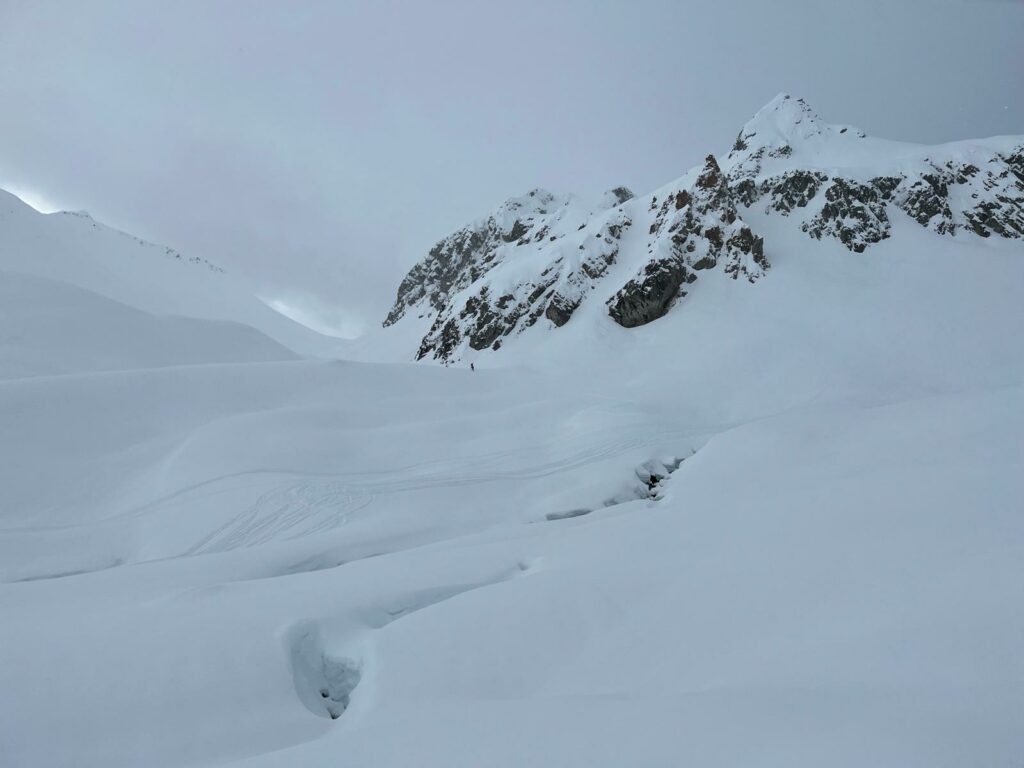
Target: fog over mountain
(320,150)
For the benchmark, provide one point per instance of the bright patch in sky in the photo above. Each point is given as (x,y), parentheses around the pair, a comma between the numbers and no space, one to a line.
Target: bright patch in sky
(34,199)
(328,321)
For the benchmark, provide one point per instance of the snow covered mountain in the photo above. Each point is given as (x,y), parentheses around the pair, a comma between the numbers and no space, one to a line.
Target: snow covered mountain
(72,248)
(775,521)
(540,258)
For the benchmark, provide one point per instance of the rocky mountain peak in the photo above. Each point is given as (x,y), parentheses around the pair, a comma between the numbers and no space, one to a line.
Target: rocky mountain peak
(539,259)
(536,201)
(458,260)
(614,197)
(782,120)
(780,127)
(711,189)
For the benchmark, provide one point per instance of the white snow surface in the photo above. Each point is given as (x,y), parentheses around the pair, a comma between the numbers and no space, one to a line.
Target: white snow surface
(73,248)
(214,552)
(49,328)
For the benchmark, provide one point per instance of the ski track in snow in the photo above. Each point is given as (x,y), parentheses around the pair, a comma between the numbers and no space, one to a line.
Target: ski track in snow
(296,509)
(323,501)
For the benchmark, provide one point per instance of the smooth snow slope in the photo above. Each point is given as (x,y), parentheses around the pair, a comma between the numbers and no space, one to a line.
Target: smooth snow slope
(49,328)
(73,248)
(204,563)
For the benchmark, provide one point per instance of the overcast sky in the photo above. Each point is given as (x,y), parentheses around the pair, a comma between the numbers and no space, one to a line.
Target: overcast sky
(320,148)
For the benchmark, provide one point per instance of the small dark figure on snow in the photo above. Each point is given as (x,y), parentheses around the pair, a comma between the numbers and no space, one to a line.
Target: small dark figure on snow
(472,367)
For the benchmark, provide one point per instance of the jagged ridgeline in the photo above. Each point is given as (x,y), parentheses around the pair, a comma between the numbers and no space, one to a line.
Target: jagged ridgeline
(539,258)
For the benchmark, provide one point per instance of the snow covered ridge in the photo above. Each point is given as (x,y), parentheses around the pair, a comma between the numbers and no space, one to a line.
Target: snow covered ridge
(166,250)
(538,258)
(73,249)
(786,158)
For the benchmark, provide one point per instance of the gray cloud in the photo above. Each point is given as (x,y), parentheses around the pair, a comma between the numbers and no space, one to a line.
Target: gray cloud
(318,149)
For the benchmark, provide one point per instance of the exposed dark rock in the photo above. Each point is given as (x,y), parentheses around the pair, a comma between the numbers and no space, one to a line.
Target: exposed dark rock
(966,172)
(746,192)
(621,194)
(1014,163)
(854,213)
(650,295)
(592,268)
(748,244)
(1003,212)
(483,321)
(709,229)
(1001,217)
(616,228)
(711,176)
(702,229)
(793,190)
(463,257)
(887,185)
(926,201)
(518,230)
(560,310)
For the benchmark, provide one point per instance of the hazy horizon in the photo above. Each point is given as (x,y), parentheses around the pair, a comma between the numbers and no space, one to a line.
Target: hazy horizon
(318,152)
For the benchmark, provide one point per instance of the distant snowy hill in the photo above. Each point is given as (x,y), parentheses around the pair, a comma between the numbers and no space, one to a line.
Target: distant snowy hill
(73,248)
(541,260)
(49,328)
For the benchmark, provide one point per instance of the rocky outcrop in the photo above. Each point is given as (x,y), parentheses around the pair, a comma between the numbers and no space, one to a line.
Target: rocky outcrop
(695,229)
(482,319)
(702,225)
(945,198)
(926,201)
(616,196)
(983,194)
(600,252)
(650,294)
(464,256)
(853,213)
(793,190)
